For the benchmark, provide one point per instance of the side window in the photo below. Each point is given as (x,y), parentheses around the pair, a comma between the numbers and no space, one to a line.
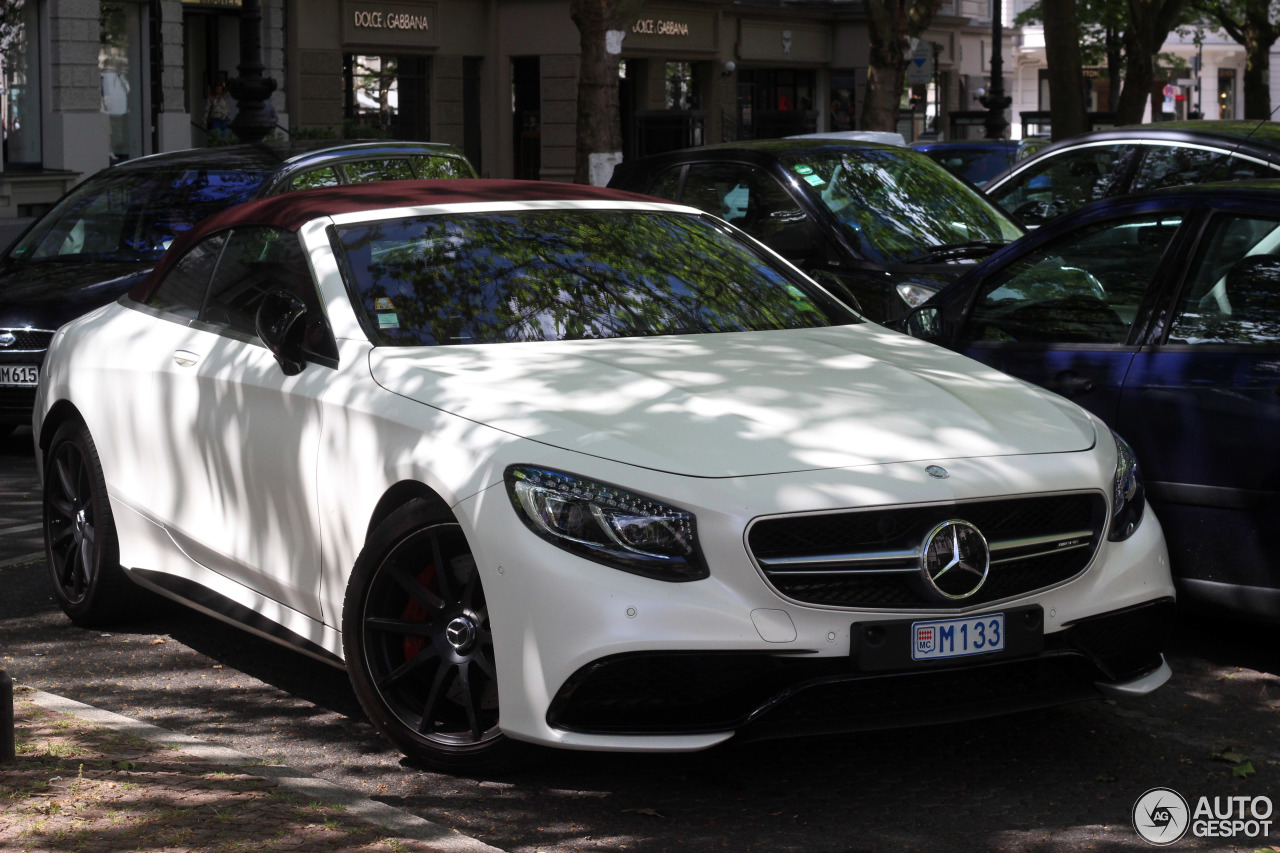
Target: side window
(182,290)
(325,176)
(1061,183)
(368,171)
(743,196)
(667,184)
(1171,166)
(1084,288)
(256,262)
(1233,293)
(426,166)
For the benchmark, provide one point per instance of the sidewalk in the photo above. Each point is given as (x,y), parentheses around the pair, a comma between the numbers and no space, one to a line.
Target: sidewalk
(91,781)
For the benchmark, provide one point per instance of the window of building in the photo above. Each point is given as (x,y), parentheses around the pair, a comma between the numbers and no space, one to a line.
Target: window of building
(120,68)
(387,97)
(776,102)
(20,77)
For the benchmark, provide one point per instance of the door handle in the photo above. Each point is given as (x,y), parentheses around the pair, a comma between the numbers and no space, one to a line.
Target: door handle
(1069,385)
(185,358)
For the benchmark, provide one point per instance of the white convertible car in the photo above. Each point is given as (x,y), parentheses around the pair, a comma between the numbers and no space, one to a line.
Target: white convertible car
(541,463)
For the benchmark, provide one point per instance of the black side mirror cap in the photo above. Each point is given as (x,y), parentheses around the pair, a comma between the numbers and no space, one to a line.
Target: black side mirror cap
(281,322)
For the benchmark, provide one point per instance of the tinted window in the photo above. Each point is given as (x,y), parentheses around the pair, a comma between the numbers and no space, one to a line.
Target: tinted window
(1084,288)
(256,262)
(368,171)
(323,177)
(551,275)
(1060,182)
(897,205)
(744,196)
(668,184)
(133,215)
(182,290)
(427,166)
(1170,166)
(1233,292)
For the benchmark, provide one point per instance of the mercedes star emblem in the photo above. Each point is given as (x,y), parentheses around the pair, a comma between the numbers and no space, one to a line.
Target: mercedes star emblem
(954,560)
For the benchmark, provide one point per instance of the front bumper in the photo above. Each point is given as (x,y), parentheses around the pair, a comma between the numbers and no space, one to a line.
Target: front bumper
(763,695)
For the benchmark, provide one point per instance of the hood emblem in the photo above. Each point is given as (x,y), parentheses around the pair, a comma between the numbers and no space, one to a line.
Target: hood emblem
(7,339)
(937,472)
(954,560)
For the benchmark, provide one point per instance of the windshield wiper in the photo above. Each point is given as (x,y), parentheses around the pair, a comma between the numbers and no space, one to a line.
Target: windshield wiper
(971,249)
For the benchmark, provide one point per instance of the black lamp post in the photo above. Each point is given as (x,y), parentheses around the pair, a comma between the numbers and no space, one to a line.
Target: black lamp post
(251,88)
(995,101)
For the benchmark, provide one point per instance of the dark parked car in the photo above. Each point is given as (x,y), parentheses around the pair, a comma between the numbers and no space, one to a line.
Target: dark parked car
(1160,312)
(889,224)
(975,160)
(104,235)
(1071,173)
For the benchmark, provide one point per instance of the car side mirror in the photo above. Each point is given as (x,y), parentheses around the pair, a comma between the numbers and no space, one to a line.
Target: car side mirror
(924,323)
(281,322)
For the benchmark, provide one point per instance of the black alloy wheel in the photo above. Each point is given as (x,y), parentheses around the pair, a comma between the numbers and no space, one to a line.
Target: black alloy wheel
(81,548)
(419,647)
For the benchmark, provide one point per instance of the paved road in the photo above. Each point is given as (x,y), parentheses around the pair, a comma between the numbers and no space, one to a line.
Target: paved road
(1061,780)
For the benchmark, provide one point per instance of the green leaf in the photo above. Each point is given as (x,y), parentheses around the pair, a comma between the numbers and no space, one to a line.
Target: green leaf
(1243,771)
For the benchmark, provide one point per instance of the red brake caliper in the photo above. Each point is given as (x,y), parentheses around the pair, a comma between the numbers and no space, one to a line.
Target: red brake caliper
(415,612)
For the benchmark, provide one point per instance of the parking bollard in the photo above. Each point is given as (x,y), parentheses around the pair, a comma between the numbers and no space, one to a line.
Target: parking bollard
(8,753)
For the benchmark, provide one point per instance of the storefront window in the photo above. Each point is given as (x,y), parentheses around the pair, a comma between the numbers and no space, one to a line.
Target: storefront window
(387,97)
(20,77)
(775,102)
(120,68)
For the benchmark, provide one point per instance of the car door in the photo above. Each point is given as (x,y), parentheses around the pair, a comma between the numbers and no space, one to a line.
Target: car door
(239,435)
(1065,314)
(1202,409)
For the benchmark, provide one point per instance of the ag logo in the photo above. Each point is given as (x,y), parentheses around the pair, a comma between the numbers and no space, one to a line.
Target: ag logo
(1161,816)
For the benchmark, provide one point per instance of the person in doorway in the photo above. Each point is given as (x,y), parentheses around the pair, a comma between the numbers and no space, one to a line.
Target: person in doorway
(217,110)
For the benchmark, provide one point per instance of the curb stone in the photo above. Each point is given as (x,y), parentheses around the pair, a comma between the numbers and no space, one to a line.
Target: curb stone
(288,779)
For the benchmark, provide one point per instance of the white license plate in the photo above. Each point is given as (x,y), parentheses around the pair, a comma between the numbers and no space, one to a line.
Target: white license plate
(953,638)
(19,374)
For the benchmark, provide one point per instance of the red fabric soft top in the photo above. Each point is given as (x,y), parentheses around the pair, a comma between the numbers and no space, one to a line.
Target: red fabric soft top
(291,211)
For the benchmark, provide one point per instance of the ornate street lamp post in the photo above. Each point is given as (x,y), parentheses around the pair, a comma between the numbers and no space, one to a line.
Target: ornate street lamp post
(995,101)
(251,88)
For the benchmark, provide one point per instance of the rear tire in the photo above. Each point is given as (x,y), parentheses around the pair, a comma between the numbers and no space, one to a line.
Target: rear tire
(418,645)
(81,547)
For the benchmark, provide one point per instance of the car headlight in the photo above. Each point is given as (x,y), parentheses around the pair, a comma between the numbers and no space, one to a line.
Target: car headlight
(1130,495)
(606,524)
(915,295)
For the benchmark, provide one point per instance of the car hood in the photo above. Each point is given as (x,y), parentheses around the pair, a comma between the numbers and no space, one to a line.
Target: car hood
(44,295)
(742,403)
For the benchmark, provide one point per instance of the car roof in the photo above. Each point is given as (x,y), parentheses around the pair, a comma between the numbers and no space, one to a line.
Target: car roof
(1253,136)
(291,211)
(271,156)
(975,144)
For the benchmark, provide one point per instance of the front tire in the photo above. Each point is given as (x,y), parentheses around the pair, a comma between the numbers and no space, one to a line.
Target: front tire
(81,547)
(419,648)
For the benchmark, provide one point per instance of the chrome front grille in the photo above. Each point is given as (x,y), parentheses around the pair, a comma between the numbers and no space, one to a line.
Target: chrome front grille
(870,558)
(24,340)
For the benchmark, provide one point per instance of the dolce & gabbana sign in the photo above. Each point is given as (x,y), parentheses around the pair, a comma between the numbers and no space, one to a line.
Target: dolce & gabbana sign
(668,29)
(396,24)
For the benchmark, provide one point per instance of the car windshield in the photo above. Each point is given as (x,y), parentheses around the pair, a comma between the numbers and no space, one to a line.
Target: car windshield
(132,215)
(567,274)
(897,205)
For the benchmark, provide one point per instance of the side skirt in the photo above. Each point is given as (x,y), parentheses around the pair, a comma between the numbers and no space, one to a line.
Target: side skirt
(210,603)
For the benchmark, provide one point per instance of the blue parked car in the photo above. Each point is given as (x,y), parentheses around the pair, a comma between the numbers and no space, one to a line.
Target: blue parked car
(975,160)
(1160,313)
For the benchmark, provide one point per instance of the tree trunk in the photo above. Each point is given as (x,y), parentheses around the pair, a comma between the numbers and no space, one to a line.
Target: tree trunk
(599,135)
(1149,24)
(1260,36)
(887,66)
(1062,52)
(1115,64)
(892,25)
